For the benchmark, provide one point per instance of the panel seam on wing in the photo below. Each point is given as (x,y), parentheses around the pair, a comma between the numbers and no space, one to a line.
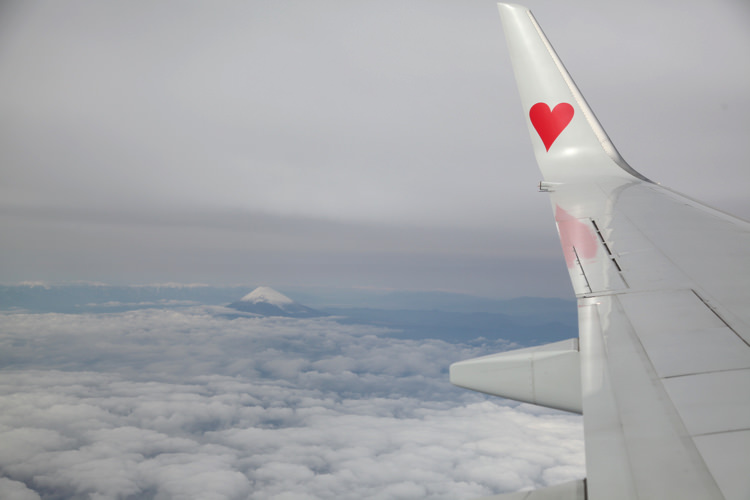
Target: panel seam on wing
(719,316)
(729,431)
(693,374)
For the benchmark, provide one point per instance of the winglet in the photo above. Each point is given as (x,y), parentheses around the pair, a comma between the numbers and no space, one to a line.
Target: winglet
(568,140)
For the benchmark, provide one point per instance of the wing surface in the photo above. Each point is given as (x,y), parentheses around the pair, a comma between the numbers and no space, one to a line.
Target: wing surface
(663,287)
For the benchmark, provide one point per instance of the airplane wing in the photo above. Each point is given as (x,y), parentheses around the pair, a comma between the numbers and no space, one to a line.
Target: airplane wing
(661,367)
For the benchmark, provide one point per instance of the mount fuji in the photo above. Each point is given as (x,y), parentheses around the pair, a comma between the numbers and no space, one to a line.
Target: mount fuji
(268,302)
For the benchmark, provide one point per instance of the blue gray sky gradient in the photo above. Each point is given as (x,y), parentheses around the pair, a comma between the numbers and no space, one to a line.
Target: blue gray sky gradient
(351,144)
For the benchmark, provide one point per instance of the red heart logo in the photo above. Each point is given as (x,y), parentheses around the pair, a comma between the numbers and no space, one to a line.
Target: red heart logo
(549,124)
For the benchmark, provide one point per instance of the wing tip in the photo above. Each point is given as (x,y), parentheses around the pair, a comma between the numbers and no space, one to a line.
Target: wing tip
(541,77)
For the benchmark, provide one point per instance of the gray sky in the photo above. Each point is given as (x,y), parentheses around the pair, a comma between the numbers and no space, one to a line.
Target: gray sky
(332,143)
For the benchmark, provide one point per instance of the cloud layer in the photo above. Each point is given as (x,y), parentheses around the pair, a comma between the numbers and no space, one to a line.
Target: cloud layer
(188,404)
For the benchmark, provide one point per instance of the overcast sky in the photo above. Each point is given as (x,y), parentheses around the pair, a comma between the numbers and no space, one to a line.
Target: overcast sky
(337,143)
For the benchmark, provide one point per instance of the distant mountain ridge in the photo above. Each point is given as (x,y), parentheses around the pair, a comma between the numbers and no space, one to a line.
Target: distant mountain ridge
(98,297)
(268,302)
(416,315)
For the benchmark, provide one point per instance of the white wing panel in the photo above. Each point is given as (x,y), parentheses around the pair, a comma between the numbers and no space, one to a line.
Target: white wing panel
(705,250)
(681,335)
(679,369)
(663,460)
(713,402)
(726,456)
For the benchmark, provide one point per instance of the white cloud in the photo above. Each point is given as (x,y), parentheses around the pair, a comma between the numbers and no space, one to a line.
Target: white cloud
(187,404)
(16,490)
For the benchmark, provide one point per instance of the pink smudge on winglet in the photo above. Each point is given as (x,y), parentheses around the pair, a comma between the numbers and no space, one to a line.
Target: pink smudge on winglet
(574,233)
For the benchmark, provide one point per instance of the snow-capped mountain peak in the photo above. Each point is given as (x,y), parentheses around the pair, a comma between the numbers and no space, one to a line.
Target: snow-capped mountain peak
(267,295)
(268,302)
